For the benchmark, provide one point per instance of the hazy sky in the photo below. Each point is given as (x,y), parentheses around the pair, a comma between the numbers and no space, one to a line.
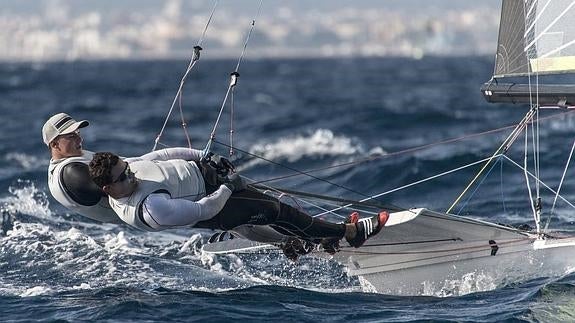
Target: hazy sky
(70,29)
(431,6)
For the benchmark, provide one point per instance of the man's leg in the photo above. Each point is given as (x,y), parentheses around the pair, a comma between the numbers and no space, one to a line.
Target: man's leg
(253,207)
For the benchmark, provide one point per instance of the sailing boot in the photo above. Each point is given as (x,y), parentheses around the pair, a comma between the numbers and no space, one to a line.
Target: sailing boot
(353,218)
(366,228)
(294,247)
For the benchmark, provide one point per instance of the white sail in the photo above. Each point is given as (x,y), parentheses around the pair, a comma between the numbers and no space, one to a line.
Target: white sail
(535,37)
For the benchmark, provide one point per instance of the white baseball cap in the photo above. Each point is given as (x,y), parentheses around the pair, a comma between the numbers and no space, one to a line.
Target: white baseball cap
(60,124)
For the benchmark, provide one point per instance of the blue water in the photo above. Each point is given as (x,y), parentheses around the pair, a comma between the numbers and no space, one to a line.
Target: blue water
(303,114)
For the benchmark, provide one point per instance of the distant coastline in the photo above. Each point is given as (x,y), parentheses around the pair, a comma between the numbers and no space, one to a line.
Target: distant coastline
(56,32)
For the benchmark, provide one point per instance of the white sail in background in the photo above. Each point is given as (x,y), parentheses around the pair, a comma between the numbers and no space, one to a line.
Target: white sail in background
(536,37)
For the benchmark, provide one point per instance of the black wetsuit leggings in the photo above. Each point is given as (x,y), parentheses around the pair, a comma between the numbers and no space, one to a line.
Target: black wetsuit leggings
(253,207)
(250,206)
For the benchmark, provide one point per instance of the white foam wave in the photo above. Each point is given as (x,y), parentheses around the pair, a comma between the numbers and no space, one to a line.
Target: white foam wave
(36,291)
(472,282)
(95,256)
(26,199)
(320,143)
(120,243)
(27,162)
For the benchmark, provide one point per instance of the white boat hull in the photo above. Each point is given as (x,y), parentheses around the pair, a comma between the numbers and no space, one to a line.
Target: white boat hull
(463,273)
(420,252)
(441,254)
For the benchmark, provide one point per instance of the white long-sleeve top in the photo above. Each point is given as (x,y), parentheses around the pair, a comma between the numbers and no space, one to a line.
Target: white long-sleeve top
(161,212)
(160,201)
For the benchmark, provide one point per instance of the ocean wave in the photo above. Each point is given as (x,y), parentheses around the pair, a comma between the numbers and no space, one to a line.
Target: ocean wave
(319,144)
(42,246)
(26,198)
(27,162)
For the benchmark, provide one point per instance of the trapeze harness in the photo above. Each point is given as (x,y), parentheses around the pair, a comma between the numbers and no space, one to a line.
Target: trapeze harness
(70,184)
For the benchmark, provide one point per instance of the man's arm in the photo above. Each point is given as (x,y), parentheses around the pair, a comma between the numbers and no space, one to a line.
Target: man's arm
(169,153)
(161,211)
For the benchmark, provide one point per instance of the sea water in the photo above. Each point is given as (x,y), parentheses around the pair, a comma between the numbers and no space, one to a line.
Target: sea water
(369,125)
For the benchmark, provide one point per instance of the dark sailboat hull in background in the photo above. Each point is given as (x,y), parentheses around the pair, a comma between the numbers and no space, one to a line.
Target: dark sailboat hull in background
(546,90)
(535,38)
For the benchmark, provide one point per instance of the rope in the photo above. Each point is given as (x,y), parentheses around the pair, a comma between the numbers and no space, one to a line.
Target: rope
(397,153)
(559,188)
(178,97)
(504,147)
(542,183)
(295,170)
(233,81)
(459,250)
(478,185)
(323,197)
(464,251)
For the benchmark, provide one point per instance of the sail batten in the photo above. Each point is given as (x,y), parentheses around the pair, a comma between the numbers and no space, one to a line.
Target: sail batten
(536,37)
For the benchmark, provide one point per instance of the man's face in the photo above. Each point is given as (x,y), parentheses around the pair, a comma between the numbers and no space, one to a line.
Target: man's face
(68,145)
(124,182)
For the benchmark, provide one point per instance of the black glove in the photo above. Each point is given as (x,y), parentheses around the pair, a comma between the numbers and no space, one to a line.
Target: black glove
(222,165)
(293,248)
(236,183)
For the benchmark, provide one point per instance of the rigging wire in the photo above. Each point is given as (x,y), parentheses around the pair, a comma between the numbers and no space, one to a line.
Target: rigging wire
(507,143)
(363,201)
(295,170)
(559,188)
(178,98)
(503,148)
(535,203)
(233,81)
(525,171)
(539,180)
(478,186)
(418,182)
(400,152)
(502,195)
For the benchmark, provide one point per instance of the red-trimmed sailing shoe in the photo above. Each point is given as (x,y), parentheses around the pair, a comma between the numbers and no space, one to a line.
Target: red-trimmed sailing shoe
(353,218)
(367,228)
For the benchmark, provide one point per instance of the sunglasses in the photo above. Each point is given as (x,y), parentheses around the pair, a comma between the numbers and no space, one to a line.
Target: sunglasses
(126,173)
